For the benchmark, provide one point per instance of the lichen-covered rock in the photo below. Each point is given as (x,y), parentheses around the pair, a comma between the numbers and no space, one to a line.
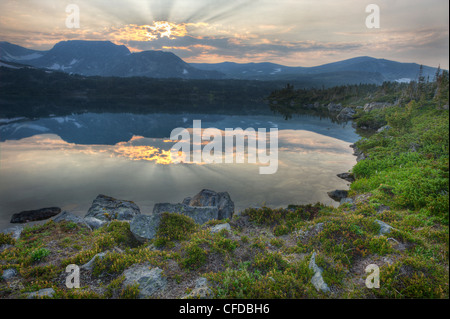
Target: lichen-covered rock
(15,231)
(199,214)
(89,266)
(107,208)
(384,228)
(218,228)
(144,227)
(9,274)
(346,114)
(201,290)
(69,217)
(211,198)
(43,293)
(150,280)
(317,279)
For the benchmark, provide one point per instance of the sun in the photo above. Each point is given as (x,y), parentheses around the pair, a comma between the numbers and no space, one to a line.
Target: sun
(161,29)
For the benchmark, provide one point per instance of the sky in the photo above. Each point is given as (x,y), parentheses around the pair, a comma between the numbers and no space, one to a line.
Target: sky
(288,32)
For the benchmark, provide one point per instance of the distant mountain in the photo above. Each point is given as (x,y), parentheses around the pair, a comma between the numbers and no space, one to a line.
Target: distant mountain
(364,69)
(103,58)
(13,53)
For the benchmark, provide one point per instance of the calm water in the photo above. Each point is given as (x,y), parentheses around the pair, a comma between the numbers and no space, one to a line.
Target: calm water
(68,161)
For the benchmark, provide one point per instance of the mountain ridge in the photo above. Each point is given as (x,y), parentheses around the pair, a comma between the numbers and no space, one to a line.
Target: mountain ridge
(104,58)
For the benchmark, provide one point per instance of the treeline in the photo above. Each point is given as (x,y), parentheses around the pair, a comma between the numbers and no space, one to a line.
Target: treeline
(34,92)
(289,100)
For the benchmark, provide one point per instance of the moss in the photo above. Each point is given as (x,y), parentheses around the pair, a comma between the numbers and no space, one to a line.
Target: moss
(174,227)
(195,257)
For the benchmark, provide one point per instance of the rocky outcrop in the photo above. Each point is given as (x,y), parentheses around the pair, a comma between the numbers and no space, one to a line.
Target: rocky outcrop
(89,266)
(69,217)
(13,231)
(317,279)
(206,205)
(209,198)
(43,293)
(384,128)
(144,227)
(220,227)
(35,215)
(376,106)
(201,290)
(358,153)
(334,108)
(105,209)
(349,177)
(9,273)
(199,214)
(346,114)
(384,228)
(338,194)
(150,280)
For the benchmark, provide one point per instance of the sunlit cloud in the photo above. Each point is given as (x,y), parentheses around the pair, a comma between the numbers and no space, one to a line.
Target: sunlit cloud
(294,33)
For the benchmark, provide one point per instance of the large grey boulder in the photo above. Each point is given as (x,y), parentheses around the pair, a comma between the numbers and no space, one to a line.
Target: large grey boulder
(35,215)
(150,280)
(206,205)
(105,209)
(69,217)
(334,108)
(199,214)
(346,114)
(144,227)
(220,200)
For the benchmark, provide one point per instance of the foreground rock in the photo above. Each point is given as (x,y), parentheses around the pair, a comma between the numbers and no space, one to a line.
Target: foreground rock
(199,214)
(150,281)
(358,153)
(69,217)
(209,198)
(15,231)
(144,227)
(89,266)
(35,215)
(206,205)
(218,228)
(9,273)
(384,228)
(349,177)
(201,290)
(43,293)
(317,279)
(338,195)
(105,209)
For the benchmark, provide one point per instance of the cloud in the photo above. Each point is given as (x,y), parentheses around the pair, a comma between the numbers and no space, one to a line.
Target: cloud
(289,32)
